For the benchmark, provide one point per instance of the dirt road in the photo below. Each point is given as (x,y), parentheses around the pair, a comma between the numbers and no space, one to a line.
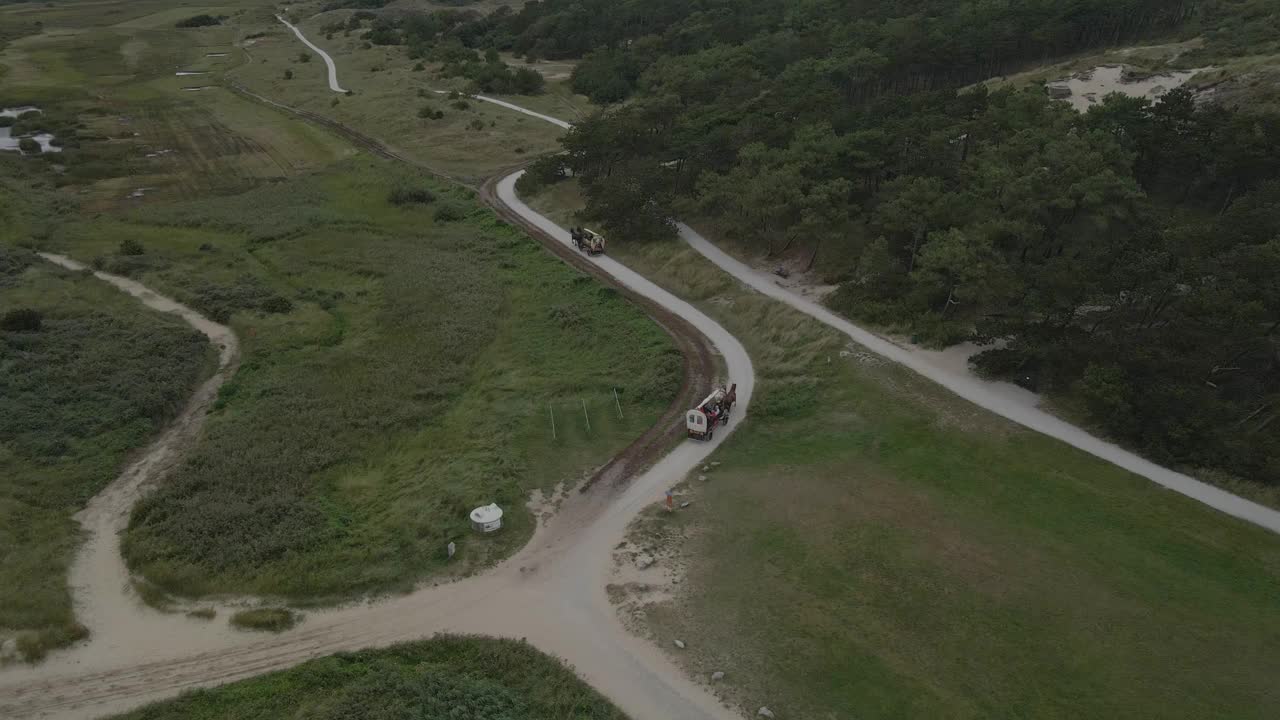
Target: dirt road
(552,592)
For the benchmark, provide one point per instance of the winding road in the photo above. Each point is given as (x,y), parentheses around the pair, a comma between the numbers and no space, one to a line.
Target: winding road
(328,61)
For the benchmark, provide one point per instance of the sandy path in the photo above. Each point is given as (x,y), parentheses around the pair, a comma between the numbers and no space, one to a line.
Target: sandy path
(1000,398)
(552,592)
(328,61)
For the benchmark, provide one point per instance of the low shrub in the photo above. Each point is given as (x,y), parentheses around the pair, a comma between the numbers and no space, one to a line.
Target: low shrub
(29,146)
(129,246)
(406,195)
(450,212)
(22,320)
(195,21)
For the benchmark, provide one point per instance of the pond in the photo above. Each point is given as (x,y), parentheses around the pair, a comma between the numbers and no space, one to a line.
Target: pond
(9,142)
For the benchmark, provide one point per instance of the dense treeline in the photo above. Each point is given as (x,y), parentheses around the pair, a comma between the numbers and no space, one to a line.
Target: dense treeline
(1125,260)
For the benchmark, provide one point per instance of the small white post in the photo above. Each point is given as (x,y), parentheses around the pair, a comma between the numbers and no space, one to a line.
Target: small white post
(584,414)
(552,413)
(617,402)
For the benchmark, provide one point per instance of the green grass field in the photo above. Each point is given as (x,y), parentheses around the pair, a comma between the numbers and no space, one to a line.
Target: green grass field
(461,678)
(66,428)
(873,546)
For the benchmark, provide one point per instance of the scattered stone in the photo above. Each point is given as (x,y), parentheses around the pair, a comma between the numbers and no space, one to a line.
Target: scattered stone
(715,464)
(644,561)
(9,649)
(679,644)
(764,712)
(685,504)
(706,468)
(703,478)
(717,676)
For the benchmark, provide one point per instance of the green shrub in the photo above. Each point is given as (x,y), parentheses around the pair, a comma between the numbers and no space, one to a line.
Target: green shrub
(22,320)
(304,57)
(406,194)
(450,212)
(195,21)
(6,121)
(129,246)
(266,619)
(29,146)
(288,74)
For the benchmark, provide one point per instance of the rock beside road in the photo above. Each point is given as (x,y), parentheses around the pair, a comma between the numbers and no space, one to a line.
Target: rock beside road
(764,712)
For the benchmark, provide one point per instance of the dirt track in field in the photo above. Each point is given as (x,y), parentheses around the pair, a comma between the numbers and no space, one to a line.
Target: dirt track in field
(552,592)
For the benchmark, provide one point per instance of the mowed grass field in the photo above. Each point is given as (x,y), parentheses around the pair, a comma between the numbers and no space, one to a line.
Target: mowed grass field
(473,140)
(94,383)
(445,677)
(874,547)
(402,365)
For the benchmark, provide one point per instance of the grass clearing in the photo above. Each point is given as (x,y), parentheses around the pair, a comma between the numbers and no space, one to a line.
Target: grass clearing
(272,619)
(872,546)
(66,429)
(467,678)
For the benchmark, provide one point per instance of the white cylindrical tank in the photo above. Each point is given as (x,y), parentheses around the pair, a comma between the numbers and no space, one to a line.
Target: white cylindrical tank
(487,518)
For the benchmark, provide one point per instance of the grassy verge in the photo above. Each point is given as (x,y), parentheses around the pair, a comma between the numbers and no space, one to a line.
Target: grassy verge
(468,678)
(67,428)
(266,619)
(872,546)
(401,365)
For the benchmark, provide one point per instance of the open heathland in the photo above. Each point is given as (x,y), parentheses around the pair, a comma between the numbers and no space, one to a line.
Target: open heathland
(462,678)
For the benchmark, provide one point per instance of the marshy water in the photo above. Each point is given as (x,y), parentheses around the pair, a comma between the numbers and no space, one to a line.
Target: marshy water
(9,142)
(1086,89)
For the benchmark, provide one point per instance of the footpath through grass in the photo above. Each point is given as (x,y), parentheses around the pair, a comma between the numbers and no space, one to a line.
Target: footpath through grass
(95,381)
(461,678)
(874,547)
(402,364)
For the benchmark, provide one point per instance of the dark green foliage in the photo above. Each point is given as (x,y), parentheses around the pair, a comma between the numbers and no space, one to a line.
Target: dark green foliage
(21,320)
(304,57)
(29,146)
(459,678)
(7,121)
(288,74)
(409,194)
(450,212)
(196,21)
(364,4)
(129,246)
